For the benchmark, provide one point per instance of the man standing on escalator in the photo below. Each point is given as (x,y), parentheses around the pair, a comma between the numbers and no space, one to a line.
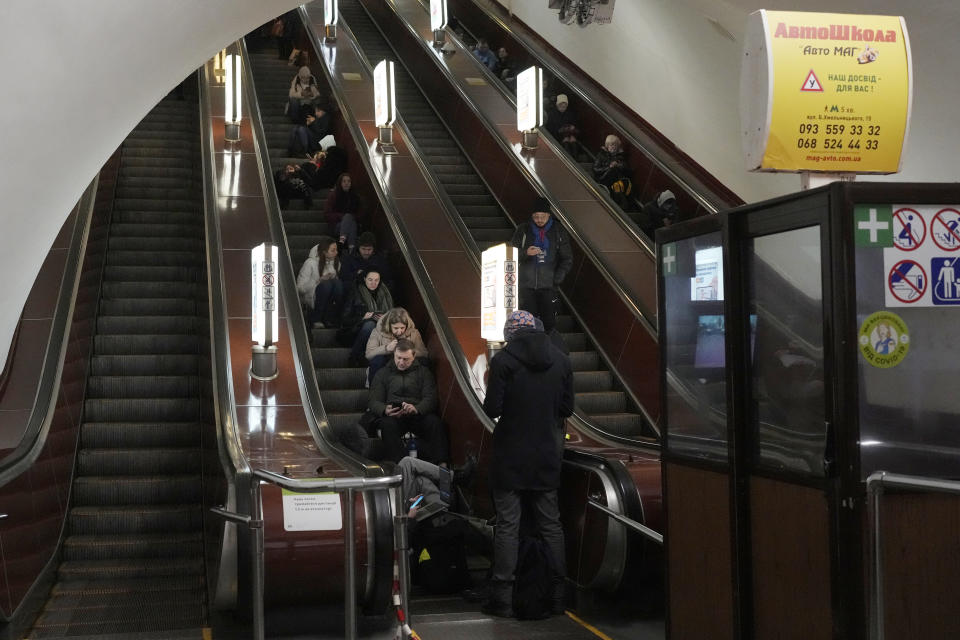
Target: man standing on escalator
(545,259)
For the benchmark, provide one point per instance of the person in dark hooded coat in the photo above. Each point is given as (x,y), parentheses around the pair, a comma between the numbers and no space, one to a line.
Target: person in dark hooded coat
(530,389)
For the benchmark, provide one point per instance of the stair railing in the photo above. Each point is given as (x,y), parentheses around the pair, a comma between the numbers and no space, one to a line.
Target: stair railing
(876,484)
(347,486)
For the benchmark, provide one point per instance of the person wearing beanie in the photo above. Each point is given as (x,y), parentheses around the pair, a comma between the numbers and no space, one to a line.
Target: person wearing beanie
(544,260)
(562,125)
(659,212)
(363,258)
(530,390)
(303,91)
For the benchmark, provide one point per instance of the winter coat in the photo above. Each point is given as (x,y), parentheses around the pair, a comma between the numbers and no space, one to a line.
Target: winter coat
(551,272)
(355,308)
(557,120)
(381,337)
(604,173)
(309,276)
(304,86)
(414,385)
(354,264)
(530,389)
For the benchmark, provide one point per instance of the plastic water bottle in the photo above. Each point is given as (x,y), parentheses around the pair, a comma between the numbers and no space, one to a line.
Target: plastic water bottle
(411,446)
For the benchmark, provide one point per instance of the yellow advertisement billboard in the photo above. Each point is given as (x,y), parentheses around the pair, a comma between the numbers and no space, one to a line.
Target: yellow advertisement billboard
(825,92)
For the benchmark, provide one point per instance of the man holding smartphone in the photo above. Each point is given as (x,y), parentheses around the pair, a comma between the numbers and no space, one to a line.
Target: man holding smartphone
(404,396)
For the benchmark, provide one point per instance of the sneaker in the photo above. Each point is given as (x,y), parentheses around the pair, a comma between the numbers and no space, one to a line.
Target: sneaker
(464,474)
(319,325)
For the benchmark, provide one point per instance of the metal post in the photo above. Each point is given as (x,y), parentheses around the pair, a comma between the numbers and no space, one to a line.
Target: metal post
(402,544)
(350,564)
(257,570)
(875,493)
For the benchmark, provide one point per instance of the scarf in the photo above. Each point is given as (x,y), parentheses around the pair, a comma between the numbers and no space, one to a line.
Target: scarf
(379,301)
(540,238)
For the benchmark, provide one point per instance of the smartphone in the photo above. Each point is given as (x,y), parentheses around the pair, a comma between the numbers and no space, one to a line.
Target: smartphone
(396,405)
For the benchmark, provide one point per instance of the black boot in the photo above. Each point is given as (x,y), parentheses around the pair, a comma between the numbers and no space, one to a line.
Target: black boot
(499,601)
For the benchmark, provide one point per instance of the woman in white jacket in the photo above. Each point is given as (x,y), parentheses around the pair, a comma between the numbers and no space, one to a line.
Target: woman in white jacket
(319,284)
(303,91)
(395,324)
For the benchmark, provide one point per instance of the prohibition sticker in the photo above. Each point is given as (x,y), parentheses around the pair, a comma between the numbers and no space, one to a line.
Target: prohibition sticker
(907,281)
(884,339)
(945,229)
(909,229)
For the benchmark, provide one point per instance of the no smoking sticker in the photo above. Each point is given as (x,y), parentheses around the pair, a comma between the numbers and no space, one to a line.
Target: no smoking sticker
(884,339)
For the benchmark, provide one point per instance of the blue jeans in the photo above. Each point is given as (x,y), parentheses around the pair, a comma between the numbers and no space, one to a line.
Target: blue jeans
(360,342)
(347,227)
(326,300)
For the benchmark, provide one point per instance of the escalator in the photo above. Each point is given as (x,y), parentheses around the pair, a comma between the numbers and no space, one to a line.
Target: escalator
(599,394)
(342,387)
(133,557)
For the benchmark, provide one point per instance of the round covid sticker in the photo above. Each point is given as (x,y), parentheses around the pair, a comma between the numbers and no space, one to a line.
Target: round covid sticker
(884,339)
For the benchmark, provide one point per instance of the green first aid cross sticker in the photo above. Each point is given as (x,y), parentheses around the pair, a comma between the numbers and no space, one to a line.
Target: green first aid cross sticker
(669,259)
(873,225)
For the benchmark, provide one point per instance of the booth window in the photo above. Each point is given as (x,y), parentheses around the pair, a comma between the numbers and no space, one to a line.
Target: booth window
(695,334)
(785,302)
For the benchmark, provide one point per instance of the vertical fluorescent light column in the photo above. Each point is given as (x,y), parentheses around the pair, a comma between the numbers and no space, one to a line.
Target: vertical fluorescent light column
(498,290)
(232,104)
(385,103)
(530,105)
(331,11)
(438,21)
(264,315)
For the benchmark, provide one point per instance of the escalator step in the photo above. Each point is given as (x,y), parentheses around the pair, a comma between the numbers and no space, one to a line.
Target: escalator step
(190,222)
(141,409)
(161,518)
(345,400)
(575,341)
(160,259)
(596,402)
(154,324)
(140,434)
(145,344)
(157,204)
(341,378)
(171,236)
(147,273)
(130,568)
(584,360)
(330,357)
(149,244)
(128,462)
(584,381)
(115,490)
(179,306)
(141,365)
(150,289)
(142,386)
(112,547)
(623,424)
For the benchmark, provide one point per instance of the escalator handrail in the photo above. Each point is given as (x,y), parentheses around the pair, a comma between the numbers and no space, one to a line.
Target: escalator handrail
(712,205)
(445,333)
(601,195)
(467,240)
(41,415)
(299,341)
(233,461)
(618,289)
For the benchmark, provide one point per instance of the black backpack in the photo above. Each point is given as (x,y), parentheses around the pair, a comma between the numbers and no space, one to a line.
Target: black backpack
(440,560)
(533,579)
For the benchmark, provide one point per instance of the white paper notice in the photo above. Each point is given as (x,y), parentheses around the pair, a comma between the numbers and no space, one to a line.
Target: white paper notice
(311,511)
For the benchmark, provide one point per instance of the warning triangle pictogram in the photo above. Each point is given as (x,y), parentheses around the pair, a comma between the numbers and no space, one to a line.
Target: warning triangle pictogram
(812,83)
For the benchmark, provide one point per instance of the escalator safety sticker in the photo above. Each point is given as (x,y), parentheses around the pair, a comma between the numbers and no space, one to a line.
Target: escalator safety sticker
(311,511)
(884,339)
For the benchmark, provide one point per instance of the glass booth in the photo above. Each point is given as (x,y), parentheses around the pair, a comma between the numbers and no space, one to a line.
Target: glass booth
(808,342)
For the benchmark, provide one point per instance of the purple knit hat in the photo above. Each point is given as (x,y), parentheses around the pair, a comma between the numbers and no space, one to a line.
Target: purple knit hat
(518,320)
